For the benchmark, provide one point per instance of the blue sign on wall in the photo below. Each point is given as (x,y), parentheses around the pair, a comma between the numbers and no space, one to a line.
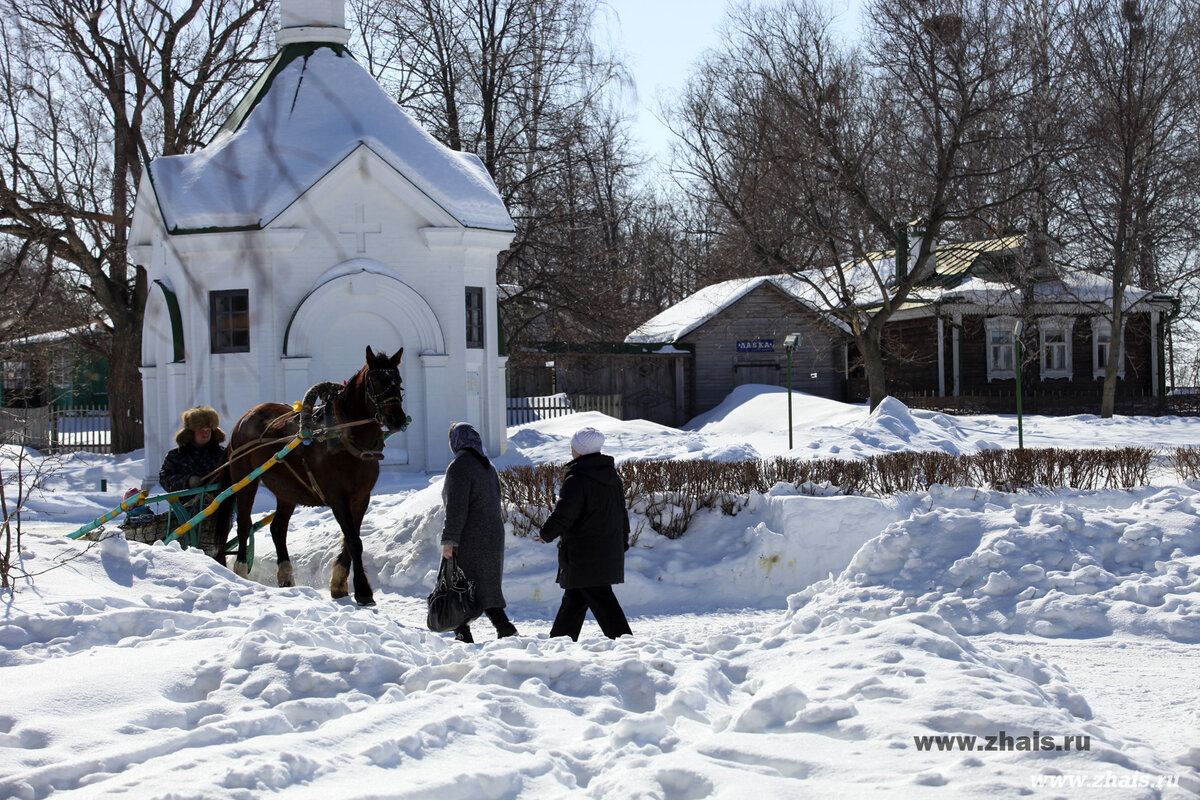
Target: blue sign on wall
(756,346)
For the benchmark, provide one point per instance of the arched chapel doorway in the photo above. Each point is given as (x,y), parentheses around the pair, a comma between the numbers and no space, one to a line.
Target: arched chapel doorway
(354,305)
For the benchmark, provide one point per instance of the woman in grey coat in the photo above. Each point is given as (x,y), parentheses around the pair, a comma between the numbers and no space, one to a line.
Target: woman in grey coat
(474,529)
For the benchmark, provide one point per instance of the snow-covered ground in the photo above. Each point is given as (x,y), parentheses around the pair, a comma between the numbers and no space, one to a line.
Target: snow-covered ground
(806,647)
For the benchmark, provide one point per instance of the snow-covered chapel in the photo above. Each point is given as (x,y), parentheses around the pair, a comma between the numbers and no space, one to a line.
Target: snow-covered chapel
(322,219)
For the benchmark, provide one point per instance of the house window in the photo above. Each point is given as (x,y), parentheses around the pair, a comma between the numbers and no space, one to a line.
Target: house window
(60,373)
(16,376)
(229,321)
(1101,342)
(1056,347)
(1000,348)
(475,317)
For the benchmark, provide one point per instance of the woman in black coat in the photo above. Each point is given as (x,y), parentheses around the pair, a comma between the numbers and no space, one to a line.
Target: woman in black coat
(593,528)
(474,529)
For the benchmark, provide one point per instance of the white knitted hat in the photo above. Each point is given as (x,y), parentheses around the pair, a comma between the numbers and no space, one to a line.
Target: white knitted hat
(587,440)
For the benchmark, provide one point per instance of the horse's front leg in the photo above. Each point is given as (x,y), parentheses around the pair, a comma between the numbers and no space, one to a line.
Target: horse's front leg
(279,528)
(349,516)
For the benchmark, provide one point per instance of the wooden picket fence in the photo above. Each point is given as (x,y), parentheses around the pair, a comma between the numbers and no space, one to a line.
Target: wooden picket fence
(522,410)
(79,429)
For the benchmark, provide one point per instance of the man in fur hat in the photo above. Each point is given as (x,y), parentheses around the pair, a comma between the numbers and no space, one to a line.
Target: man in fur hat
(199,454)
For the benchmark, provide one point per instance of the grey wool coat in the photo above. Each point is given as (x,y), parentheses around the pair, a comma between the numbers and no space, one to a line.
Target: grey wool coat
(471,495)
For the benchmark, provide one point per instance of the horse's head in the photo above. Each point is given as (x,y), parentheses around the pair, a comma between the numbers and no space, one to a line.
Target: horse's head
(384,389)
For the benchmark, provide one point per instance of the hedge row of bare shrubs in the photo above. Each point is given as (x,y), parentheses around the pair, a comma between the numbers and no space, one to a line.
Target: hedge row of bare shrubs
(668,494)
(1185,462)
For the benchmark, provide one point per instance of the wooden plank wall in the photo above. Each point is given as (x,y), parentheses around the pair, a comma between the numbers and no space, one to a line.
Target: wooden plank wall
(766,313)
(973,369)
(916,369)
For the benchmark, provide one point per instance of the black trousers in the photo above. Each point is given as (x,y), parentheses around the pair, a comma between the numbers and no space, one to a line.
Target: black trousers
(604,607)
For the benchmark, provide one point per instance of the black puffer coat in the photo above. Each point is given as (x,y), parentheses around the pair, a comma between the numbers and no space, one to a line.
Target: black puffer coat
(187,460)
(591,519)
(471,494)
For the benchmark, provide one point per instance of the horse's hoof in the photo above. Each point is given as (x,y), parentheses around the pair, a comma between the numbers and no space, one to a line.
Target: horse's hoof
(284,575)
(241,569)
(365,602)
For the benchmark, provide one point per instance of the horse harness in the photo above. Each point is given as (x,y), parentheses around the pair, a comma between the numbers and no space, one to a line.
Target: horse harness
(337,434)
(381,389)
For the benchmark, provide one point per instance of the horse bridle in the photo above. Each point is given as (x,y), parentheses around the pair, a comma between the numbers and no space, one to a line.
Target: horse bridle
(384,387)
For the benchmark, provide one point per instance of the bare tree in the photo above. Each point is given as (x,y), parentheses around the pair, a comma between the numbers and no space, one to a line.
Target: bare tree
(34,297)
(1039,47)
(1134,182)
(521,84)
(820,155)
(92,91)
(44,306)
(666,249)
(1041,43)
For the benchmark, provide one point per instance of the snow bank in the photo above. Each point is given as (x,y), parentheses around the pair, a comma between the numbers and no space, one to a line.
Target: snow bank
(148,671)
(1069,564)
(778,544)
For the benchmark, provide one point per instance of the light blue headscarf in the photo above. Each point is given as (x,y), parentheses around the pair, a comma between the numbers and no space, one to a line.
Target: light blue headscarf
(463,434)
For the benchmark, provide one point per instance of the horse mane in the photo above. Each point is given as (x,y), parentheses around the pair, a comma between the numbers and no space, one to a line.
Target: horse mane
(354,395)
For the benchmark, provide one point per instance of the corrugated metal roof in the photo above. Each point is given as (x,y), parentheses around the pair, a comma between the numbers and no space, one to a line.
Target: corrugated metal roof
(953,261)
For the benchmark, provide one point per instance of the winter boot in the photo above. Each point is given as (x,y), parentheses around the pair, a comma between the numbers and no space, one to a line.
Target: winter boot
(504,626)
(463,634)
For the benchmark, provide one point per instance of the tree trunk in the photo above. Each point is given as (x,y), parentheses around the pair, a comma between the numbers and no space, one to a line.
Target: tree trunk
(1108,398)
(125,384)
(872,354)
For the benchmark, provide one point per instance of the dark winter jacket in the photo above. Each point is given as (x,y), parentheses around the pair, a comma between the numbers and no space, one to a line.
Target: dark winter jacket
(591,520)
(187,460)
(474,527)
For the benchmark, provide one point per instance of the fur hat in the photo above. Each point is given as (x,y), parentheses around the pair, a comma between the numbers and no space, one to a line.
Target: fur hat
(196,418)
(587,440)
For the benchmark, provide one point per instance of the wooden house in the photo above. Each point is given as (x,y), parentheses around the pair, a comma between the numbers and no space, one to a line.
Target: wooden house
(52,369)
(737,332)
(950,345)
(954,337)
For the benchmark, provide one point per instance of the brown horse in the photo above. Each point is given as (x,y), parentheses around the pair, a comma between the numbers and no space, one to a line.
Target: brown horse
(337,469)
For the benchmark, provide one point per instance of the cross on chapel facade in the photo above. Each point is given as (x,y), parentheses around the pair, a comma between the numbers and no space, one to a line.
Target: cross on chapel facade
(320,220)
(360,227)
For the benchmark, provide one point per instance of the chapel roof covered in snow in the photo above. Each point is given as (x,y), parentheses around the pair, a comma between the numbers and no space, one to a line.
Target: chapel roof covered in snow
(310,109)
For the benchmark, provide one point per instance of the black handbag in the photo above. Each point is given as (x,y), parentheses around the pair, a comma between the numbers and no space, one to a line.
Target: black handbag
(452,602)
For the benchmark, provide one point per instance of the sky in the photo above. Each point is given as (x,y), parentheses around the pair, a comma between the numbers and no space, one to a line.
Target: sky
(662,40)
(808,645)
